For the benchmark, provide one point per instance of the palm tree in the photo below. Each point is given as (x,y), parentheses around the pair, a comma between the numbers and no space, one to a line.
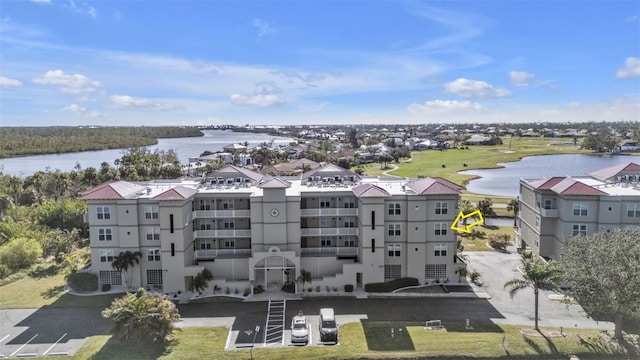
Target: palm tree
(538,275)
(124,261)
(466,207)
(305,277)
(201,281)
(514,205)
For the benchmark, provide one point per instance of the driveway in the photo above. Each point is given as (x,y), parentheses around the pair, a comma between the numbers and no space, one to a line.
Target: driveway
(496,268)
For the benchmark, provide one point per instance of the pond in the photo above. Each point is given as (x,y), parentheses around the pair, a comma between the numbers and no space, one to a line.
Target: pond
(506,181)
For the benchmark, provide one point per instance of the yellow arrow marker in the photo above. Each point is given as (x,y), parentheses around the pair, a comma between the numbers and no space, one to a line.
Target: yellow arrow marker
(461,216)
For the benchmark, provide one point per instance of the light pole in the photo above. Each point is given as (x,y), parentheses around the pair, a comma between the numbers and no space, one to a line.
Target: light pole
(253,343)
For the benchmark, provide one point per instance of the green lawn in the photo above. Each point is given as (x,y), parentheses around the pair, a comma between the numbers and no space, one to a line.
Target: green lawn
(371,341)
(481,244)
(429,163)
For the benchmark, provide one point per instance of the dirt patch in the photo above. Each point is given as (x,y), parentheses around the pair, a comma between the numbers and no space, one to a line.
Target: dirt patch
(542,333)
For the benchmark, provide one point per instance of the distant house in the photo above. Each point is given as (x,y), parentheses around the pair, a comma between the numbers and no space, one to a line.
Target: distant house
(232,148)
(478,140)
(628,145)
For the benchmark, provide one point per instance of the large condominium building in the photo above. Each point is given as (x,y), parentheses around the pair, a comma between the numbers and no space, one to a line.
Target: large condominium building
(554,209)
(248,229)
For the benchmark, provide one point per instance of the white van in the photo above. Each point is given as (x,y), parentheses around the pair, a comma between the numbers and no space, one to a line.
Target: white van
(328,326)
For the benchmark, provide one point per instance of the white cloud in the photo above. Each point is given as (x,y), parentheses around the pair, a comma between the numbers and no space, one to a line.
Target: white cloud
(5,82)
(82,9)
(633,18)
(263,28)
(80,111)
(630,69)
(125,101)
(521,78)
(42,1)
(256,100)
(473,88)
(69,83)
(443,106)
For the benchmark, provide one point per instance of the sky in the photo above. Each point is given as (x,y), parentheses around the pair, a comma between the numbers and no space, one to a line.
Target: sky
(164,62)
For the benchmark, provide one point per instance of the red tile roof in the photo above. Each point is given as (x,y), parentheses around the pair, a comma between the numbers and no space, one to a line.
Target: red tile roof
(570,186)
(274,183)
(237,171)
(434,186)
(176,193)
(546,183)
(112,190)
(370,190)
(613,171)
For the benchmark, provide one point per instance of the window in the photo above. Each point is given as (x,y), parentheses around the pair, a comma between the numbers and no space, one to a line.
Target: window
(325,203)
(349,242)
(106,256)
(325,222)
(579,229)
(103,212)
(435,271)
(580,209)
(633,210)
(393,249)
(373,245)
(229,243)
(548,204)
(205,204)
(442,208)
(104,234)
(349,203)
(373,220)
(171,223)
(394,209)
(440,249)
(325,241)
(153,233)
(205,226)
(537,221)
(173,249)
(153,254)
(441,229)
(111,277)
(151,212)
(537,241)
(229,224)
(349,222)
(205,244)
(394,229)
(154,277)
(392,272)
(227,204)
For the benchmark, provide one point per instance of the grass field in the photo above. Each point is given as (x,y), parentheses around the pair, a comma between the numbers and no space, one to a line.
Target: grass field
(478,244)
(373,341)
(429,163)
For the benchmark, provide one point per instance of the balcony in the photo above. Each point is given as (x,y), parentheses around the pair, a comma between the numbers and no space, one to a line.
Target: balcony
(236,233)
(222,253)
(329,251)
(210,214)
(328,231)
(549,213)
(329,212)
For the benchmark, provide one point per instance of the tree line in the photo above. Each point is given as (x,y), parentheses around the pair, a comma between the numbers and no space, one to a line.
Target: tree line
(22,141)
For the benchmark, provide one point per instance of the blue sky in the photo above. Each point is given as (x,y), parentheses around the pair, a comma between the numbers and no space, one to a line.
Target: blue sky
(317,62)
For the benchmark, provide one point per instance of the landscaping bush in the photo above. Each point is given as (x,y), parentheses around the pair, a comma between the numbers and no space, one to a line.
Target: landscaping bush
(289,287)
(106,287)
(389,286)
(499,241)
(246,292)
(348,288)
(258,289)
(83,282)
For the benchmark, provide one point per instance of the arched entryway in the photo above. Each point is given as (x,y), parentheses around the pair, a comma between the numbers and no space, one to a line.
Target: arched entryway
(273,271)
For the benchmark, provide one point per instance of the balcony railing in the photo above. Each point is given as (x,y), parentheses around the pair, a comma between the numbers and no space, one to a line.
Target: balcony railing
(329,251)
(208,214)
(549,213)
(237,233)
(220,253)
(330,212)
(328,231)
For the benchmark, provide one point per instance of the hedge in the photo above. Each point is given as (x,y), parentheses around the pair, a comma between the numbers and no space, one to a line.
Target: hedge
(83,282)
(389,286)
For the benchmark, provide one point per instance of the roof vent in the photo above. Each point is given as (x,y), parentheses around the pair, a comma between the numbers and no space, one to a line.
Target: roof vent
(148,190)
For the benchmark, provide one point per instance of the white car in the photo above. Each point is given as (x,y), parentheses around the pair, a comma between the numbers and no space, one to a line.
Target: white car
(299,329)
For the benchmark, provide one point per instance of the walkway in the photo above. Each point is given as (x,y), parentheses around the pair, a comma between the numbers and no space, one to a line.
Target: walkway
(274,334)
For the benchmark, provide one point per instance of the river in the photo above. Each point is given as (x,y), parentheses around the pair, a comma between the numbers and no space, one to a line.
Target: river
(505,181)
(213,140)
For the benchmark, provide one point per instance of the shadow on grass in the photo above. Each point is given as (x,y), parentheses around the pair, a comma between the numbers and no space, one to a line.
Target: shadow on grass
(387,337)
(490,227)
(52,292)
(478,327)
(43,271)
(115,349)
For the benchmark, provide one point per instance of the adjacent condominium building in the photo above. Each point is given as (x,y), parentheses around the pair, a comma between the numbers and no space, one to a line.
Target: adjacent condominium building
(554,209)
(249,229)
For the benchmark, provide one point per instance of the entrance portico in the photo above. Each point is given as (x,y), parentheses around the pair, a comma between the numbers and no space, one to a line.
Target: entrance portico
(273,268)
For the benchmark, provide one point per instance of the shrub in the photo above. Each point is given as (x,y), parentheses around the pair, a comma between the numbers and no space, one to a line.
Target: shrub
(335,289)
(499,241)
(83,282)
(106,287)
(328,288)
(258,289)
(247,291)
(289,287)
(318,288)
(310,289)
(236,291)
(20,253)
(227,291)
(348,288)
(4,271)
(389,286)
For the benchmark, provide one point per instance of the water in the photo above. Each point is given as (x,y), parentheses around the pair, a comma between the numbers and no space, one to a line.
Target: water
(213,140)
(506,181)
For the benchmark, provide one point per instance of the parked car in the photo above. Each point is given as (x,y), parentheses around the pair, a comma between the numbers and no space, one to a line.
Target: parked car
(328,327)
(299,329)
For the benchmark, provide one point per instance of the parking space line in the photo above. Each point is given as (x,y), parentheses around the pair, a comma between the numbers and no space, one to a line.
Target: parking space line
(4,338)
(22,347)
(54,344)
